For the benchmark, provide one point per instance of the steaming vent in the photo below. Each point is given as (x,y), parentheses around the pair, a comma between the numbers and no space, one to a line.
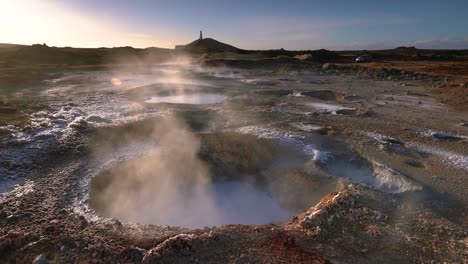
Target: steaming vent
(195,180)
(209,179)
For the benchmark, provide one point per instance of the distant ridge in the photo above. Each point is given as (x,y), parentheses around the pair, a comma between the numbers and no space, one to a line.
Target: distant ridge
(209,45)
(8,45)
(11,54)
(412,48)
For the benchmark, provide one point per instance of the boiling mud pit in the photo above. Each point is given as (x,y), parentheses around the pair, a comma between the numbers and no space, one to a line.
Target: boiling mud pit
(205,180)
(137,166)
(194,180)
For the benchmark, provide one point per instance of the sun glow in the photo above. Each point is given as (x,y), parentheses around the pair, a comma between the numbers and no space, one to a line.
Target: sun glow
(30,21)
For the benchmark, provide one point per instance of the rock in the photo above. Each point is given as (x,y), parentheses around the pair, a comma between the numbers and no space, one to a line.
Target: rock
(345,111)
(12,219)
(179,244)
(132,255)
(78,123)
(414,163)
(83,222)
(444,136)
(328,66)
(64,249)
(389,140)
(97,119)
(41,259)
(353,97)
(411,93)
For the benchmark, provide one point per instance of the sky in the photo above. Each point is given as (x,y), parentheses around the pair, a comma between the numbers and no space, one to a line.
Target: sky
(247,24)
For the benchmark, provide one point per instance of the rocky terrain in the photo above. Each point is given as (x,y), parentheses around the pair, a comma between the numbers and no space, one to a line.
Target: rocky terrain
(290,161)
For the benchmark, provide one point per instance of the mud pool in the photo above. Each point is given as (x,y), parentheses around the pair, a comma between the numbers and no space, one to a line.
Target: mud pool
(221,181)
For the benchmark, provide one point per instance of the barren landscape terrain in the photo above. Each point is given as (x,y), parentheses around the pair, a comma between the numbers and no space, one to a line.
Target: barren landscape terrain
(212,154)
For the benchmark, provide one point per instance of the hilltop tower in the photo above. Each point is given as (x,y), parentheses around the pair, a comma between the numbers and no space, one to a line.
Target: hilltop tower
(201,34)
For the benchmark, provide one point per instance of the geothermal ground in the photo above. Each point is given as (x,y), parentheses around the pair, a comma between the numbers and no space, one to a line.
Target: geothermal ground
(202,163)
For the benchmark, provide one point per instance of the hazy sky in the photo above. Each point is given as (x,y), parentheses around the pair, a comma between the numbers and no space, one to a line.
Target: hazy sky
(249,24)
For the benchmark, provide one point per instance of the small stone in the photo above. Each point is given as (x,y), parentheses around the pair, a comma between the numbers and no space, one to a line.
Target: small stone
(83,222)
(12,218)
(445,136)
(328,67)
(414,163)
(41,259)
(64,249)
(345,111)
(97,119)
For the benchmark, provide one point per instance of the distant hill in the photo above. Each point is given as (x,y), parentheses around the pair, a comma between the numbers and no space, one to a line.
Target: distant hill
(7,45)
(412,48)
(12,55)
(209,45)
(43,54)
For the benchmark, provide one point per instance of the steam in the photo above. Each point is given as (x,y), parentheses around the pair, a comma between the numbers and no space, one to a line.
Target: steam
(170,185)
